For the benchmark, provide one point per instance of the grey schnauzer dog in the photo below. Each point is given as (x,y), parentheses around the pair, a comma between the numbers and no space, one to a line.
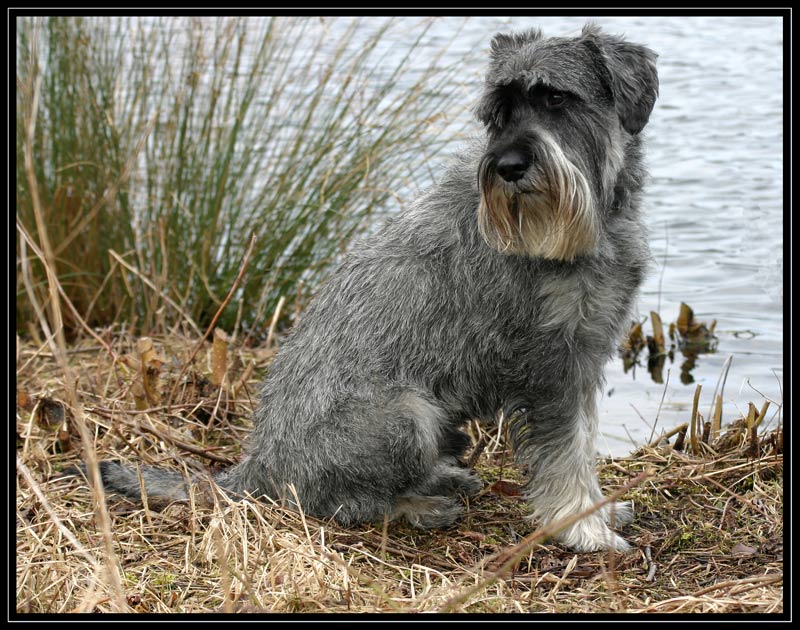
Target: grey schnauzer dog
(503,288)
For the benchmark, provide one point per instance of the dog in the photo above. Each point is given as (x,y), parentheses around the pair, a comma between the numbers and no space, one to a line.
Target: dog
(505,288)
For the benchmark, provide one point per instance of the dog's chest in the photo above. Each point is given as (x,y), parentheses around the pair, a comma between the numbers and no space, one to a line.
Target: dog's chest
(585,307)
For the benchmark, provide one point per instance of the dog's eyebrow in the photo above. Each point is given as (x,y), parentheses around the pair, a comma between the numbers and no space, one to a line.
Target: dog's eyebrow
(540,85)
(516,89)
(554,84)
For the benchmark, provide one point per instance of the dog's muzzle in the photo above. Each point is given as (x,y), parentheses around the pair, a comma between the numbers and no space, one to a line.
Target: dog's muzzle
(536,203)
(512,165)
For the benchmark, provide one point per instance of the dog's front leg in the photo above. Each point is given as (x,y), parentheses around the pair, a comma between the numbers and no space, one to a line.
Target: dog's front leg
(558,449)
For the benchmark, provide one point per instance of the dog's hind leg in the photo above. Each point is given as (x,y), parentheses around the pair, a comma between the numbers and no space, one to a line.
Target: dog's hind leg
(433,502)
(447,478)
(418,462)
(427,512)
(378,453)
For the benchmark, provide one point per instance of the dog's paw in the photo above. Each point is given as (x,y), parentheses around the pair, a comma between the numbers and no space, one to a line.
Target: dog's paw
(592,534)
(469,484)
(449,479)
(428,512)
(618,514)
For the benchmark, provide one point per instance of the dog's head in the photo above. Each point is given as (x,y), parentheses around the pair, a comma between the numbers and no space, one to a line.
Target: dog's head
(560,114)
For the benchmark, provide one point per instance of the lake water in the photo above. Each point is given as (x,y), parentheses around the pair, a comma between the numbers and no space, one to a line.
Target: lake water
(714,201)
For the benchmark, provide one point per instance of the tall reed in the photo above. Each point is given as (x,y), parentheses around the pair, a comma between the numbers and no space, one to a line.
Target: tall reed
(163,144)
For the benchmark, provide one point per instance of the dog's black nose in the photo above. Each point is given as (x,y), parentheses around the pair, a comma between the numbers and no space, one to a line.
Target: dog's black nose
(512,165)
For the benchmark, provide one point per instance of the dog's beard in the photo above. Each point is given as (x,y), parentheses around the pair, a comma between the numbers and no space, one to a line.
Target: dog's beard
(555,220)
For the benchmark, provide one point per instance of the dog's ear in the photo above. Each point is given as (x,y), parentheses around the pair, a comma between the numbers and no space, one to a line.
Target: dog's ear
(633,76)
(504,43)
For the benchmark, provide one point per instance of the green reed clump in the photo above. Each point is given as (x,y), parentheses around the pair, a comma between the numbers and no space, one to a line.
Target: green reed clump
(162,145)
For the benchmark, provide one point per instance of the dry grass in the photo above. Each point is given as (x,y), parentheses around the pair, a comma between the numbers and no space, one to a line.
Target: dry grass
(708,527)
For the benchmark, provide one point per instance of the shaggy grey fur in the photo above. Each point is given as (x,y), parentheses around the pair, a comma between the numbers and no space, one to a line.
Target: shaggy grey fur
(505,287)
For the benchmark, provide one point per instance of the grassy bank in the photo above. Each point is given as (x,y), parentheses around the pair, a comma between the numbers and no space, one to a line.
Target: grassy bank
(708,530)
(152,151)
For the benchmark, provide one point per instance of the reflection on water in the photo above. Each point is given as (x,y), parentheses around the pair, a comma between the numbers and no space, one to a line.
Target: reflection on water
(687,336)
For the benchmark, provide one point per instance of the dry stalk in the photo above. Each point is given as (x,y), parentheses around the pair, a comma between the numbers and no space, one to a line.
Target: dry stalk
(58,342)
(211,326)
(184,316)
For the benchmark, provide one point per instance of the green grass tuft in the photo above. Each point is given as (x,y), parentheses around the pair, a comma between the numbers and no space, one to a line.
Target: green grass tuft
(171,141)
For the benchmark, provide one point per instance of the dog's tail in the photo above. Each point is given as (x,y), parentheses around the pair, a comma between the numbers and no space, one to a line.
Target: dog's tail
(161,486)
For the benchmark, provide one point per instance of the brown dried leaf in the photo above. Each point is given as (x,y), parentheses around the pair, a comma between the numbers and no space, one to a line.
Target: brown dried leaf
(64,438)
(150,364)
(144,348)
(219,356)
(635,340)
(24,400)
(472,535)
(507,488)
(685,319)
(139,396)
(50,413)
(658,331)
(740,549)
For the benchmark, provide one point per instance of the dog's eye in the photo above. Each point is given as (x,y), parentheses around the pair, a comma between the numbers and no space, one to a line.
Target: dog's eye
(555,99)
